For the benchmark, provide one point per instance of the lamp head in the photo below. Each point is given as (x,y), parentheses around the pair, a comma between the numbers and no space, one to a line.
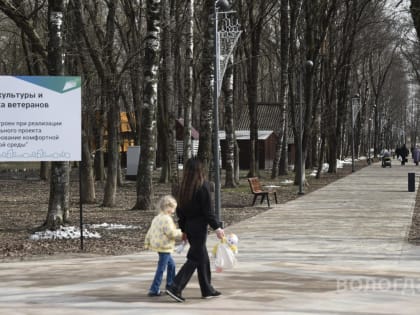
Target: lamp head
(223,5)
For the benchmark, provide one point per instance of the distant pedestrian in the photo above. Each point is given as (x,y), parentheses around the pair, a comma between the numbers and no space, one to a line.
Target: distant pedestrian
(161,238)
(416,156)
(403,152)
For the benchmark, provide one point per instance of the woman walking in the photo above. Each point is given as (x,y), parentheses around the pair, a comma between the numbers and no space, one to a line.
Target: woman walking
(195,214)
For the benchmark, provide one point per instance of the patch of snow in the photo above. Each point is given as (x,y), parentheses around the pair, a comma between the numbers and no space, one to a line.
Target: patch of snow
(324,169)
(340,163)
(111,226)
(64,232)
(287,181)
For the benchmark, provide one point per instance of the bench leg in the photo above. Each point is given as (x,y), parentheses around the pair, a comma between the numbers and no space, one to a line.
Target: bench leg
(275,196)
(255,198)
(268,200)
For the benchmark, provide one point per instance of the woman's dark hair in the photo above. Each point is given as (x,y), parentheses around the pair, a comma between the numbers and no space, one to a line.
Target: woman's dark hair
(192,180)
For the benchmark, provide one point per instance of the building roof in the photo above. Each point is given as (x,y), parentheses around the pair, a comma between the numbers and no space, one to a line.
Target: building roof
(269,116)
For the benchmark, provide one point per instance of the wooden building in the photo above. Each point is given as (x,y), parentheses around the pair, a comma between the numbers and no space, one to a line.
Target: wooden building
(269,116)
(267,140)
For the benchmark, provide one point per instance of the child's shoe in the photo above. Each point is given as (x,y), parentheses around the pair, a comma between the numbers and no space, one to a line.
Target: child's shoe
(151,294)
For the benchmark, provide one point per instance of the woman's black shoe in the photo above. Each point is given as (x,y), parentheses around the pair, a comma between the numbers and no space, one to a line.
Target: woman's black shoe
(175,295)
(212,295)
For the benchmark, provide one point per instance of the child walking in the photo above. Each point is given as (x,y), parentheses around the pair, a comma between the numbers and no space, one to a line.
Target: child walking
(161,238)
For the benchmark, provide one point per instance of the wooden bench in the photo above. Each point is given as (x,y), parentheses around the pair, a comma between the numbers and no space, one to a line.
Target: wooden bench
(256,190)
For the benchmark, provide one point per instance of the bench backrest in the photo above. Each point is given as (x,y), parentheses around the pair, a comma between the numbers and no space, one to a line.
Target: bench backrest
(254,184)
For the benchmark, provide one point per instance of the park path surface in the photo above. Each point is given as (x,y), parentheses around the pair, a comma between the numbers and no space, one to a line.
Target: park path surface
(341,249)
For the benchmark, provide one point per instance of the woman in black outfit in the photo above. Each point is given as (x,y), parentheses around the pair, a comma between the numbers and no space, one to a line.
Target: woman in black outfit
(195,213)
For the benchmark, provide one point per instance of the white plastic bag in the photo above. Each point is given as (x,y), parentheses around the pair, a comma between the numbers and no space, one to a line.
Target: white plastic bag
(180,248)
(225,258)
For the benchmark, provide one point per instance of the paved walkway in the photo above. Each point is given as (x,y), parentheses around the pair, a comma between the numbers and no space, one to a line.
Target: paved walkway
(339,250)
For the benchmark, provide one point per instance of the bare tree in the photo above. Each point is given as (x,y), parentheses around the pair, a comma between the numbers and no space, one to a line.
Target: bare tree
(256,17)
(168,93)
(227,88)
(102,53)
(280,161)
(131,37)
(77,62)
(148,116)
(206,84)
(58,206)
(188,86)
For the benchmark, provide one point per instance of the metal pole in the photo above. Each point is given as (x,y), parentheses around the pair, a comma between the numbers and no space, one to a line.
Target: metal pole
(369,123)
(300,168)
(355,105)
(81,205)
(353,100)
(217,202)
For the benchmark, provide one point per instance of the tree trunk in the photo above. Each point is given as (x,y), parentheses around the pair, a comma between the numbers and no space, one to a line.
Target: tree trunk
(109,88)
(237,168)
(188,93)
(44,171)
(229,127)
(133,43)
(98,133)
(255,29)
(112,146)
(88,194)
(169,93)
(295,13)
(280,161)
(148,121)
(59,201)
(206,87)
(284,161)
(318,15)
(58,205)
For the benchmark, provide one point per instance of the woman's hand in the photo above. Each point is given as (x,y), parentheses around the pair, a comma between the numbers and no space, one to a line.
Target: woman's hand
(220,233)
(184,237)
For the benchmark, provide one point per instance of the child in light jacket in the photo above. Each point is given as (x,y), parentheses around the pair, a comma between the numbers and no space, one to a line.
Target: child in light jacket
(161,238)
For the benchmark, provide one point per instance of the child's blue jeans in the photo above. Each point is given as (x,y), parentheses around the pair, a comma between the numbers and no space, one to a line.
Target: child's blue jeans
(165,262)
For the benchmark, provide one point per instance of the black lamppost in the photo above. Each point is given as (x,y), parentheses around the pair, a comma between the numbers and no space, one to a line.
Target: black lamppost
(355,105)
(369,127)
(307,64)
(369,132)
